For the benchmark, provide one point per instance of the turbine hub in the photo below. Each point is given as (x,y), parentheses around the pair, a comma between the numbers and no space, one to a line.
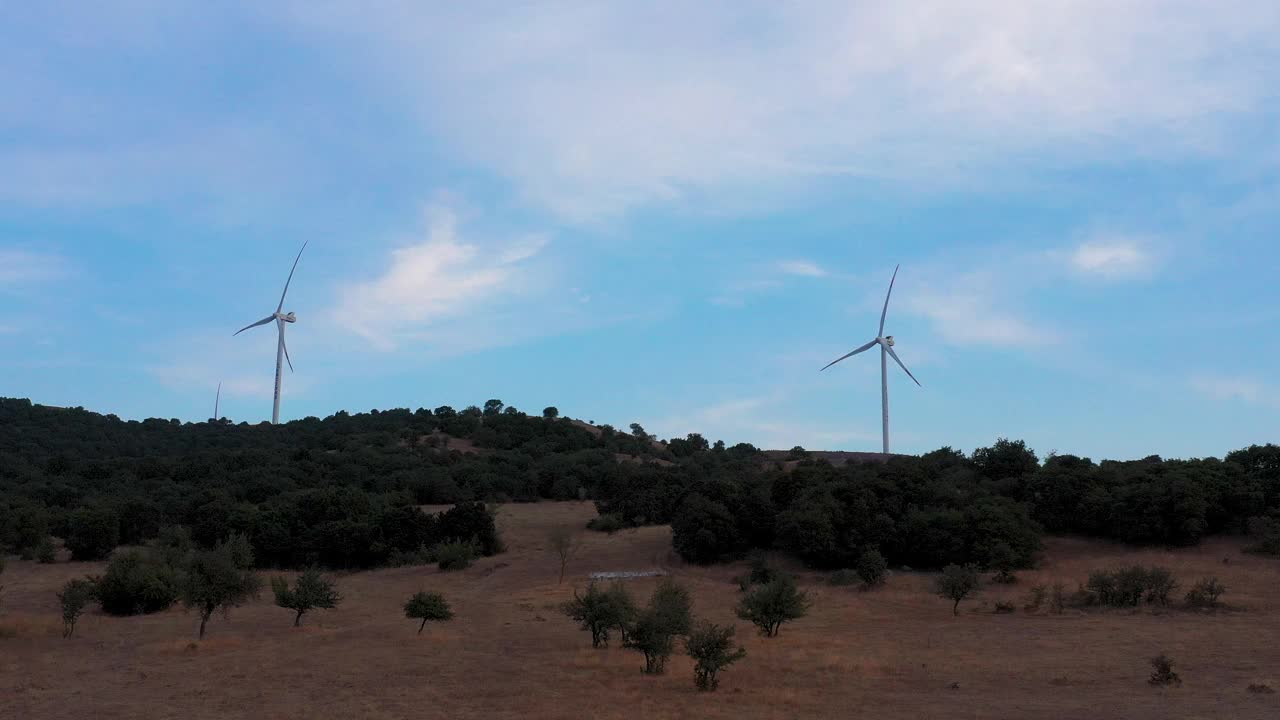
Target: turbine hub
(889,340)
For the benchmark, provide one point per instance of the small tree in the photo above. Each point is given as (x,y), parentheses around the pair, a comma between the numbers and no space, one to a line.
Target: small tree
(771,605)
(957,583)
(311,591)
(650,635)
(550,413)
(1162,671)
(455,555)
(565,543)
(872,568)
(673,606)
(427,606)
(600,611)
(75,596)
(712,650)
(220,579)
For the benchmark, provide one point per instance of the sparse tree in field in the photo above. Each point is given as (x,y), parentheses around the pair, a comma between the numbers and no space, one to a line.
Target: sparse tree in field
(1162,671)
(550,413)
(957,583)
(311,591)
(712,649)
(872,568)
(219,579)
(650,635)
(75,596)
(600,611)
(565,543)
(653,632)
(426,606)
(772,604)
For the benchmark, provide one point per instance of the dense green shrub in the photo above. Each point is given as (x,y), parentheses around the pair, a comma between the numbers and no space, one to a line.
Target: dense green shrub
(92,533)
(872,568)
(456,555)
(769,606)
(136,583)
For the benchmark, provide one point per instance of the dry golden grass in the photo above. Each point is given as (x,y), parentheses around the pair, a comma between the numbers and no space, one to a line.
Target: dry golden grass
(894,652)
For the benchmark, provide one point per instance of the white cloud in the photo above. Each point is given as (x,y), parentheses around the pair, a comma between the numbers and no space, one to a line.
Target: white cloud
(19,268)
(1111,258)
(803,268)
(973,310)
(1236,387)
(440,278)
(596,108)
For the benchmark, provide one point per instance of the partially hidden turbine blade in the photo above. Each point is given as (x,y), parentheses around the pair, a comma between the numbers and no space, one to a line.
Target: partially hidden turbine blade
(285,345)
(896,359)
(263,321)
(864,348)
(885,312)
(286,282)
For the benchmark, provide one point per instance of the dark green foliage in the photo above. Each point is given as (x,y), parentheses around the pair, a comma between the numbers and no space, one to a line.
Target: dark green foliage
(75,596)
(769,606)
(427,606)
(136,583)
(1162,673)
(600,611)
(704,531)
(872,568)
(1004,607)
(456,555)
(550,413)
(839,578)
(1205,593)
(311,591)
(92,533)
(759,572)
(1128,587)
(606,524)
(956,583)
(1266,534)
(46,553)
(712,649)
(219,579)
(653,631)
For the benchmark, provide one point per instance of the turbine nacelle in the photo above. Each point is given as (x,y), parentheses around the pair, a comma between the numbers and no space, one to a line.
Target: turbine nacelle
(886,340)
(290,318)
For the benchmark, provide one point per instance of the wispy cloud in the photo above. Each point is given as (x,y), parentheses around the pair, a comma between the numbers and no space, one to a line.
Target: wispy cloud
(1240,388)
(803,268)
(682,100)
(974,309)
(759,420)
(440,278)
(24,268)
(1112,257)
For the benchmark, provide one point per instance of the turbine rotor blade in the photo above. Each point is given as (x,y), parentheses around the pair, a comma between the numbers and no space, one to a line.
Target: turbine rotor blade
(263,321)
(898,360)
(864,348)
(285,345)
(286,282)
(885,312)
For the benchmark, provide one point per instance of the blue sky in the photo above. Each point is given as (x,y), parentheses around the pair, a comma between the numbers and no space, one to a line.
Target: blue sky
(668,215)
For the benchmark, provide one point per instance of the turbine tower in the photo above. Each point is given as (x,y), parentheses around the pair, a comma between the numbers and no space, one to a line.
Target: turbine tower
(886,351)
(282,351)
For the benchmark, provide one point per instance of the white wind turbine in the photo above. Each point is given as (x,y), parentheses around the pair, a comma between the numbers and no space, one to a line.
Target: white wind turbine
(886,351)
(282,352)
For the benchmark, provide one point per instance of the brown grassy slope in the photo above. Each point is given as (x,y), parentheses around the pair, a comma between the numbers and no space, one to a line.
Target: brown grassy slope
(895,652)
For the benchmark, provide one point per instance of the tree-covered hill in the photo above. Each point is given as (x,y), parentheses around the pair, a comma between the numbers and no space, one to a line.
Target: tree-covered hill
(344,491)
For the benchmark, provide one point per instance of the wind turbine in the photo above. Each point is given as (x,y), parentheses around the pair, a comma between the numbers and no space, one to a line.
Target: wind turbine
(886,351)
(282,352)
(217,402)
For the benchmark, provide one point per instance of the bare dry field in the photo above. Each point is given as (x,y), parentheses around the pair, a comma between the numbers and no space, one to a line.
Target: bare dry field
(895,652)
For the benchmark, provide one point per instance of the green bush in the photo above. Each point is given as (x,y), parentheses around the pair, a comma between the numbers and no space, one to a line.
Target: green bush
(219,579)
(92,533)
(1127,587)
(311,591)
(842,578)
(1162,671)
(75,595)
(769,606)
(1205,593)
(872,568)
(46,553)
(455,555)
(712,649)
(956,583)
(137,583)
(601,611)
(607,524)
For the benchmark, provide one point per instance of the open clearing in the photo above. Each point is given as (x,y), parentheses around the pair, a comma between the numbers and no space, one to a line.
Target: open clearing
(895,652)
